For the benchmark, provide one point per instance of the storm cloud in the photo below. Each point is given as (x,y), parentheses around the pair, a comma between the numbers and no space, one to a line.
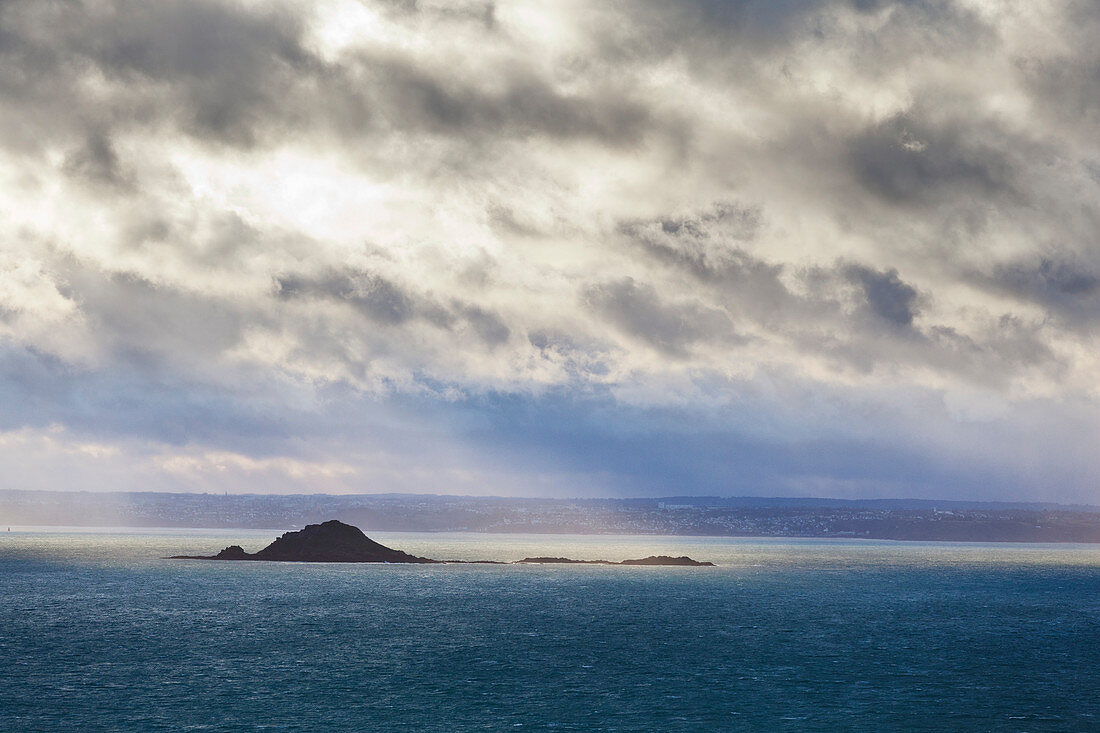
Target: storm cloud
(719,246)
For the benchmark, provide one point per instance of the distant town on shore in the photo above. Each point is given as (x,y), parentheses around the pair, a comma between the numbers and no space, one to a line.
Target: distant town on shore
(898,519)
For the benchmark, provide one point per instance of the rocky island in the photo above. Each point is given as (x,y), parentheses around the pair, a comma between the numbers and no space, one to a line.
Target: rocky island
(334,541)
(330,541)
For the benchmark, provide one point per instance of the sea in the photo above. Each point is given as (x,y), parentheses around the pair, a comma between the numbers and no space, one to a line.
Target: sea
(99,632)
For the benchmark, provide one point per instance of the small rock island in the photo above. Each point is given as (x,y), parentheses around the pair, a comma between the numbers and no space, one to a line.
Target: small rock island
(334,541)
(331,541)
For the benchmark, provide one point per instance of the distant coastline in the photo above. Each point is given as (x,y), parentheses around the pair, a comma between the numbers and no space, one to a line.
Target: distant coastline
(880,519)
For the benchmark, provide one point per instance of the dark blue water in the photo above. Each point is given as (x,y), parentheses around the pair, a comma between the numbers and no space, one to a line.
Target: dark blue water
(98,633)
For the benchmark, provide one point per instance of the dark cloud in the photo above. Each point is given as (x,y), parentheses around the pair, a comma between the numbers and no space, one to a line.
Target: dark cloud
(1065,286)
(241,76)
(724,218)
(216,69)
(888,297)
(707,246)
(739,39)
(97,163)
(387,303)
(481,13)
(922,29)
(581,359)
(1004,346)
(488,325)
(1050,278)
(516,102)
(1065,79)
(853,314)
(758,23)
(671,327)
(158,326)
(908,161)
(370,294)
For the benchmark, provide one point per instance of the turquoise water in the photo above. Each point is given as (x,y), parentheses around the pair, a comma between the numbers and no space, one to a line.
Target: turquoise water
(98,633)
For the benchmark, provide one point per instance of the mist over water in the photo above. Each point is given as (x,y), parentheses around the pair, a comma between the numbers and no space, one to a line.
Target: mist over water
(98,632)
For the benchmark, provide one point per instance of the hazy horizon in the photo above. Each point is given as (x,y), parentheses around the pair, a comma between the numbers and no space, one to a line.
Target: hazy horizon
(842,248)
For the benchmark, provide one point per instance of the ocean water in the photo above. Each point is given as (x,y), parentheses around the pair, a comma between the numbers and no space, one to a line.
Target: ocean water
(97,632)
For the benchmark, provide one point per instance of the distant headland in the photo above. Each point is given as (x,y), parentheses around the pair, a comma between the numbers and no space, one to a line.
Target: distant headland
(334,541)
(746,516)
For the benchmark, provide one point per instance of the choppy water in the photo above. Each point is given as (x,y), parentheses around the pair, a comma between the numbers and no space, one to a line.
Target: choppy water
(98,632)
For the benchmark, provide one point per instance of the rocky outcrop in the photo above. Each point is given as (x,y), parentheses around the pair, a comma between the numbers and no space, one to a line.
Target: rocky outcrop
(233,552)
(666,560)
(331,541)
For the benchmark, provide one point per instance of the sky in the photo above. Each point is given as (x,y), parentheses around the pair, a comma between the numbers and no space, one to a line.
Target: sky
(838,248)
